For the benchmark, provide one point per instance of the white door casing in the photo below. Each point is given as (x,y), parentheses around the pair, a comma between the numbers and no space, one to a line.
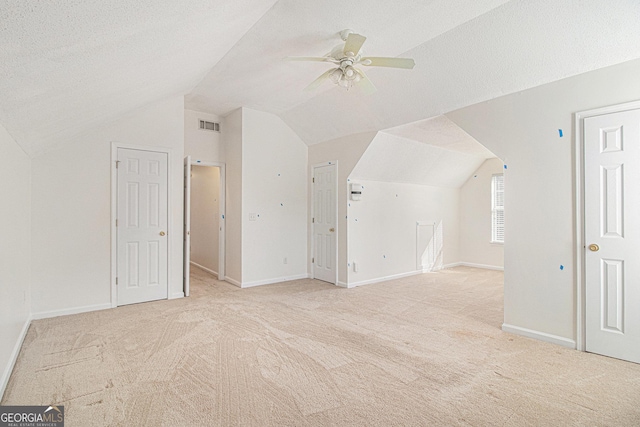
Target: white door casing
(142,226)
(324,223)
(187,226)
(612,234)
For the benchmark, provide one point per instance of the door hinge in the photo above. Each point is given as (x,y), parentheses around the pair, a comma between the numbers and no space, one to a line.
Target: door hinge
(313,220)
(313,260)
(116,222)
(116,280)
(313,180)
(117,163)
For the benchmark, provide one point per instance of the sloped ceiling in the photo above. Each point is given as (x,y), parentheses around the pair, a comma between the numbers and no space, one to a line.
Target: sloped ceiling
(69,65)
(393,158)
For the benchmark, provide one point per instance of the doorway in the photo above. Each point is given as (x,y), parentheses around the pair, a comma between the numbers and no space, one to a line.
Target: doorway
(140,227)
(608,218)
(204,240)
(324,223)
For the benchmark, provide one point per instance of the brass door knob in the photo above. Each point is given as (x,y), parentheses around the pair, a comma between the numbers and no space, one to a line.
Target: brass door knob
(162,233)
(332,230)
(594,248)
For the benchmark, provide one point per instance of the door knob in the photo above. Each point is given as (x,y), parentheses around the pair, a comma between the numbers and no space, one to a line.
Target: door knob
(594,248)
(162,233)
(332,230)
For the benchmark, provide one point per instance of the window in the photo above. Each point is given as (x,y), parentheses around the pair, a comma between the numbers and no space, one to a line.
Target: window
(497,208)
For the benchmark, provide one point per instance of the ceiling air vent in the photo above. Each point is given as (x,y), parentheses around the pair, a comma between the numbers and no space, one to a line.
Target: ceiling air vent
(205,125)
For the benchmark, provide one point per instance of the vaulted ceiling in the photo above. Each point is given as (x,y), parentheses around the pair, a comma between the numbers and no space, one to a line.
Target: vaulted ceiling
(68,65)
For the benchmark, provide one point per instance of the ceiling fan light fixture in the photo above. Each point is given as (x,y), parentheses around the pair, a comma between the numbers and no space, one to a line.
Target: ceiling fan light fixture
(336,75)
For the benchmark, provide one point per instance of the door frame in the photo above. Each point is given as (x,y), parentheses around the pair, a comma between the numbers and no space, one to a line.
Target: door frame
(313,240)
(580,247)
(222,214)
(114,213)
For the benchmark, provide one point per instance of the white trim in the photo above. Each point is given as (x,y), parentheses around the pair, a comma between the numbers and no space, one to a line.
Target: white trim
(114,212)
(452,265)
(384,278)
(222,207)
(342,284)
(579,212)
(485,266)
(202,267)
(233,281)
(67,311)
(6,374)
(337,200)
(542,336)
(274,280)
(176,295)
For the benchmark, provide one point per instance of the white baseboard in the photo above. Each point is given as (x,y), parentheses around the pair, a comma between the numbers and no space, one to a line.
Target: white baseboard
(177,295)
(6,374)
(341,284)
(66,311)
(542,336)
(202,267)
(453,264)
(485,266)
(384,279)
(232,281)
(274,280)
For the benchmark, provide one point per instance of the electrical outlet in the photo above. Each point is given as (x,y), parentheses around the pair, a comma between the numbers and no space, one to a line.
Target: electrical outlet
(355,267)
(252,217)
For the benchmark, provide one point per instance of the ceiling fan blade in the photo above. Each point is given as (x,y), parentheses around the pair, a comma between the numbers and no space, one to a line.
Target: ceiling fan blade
(307,58)
(365,84)
(317,82)
(407,63)
(354,43)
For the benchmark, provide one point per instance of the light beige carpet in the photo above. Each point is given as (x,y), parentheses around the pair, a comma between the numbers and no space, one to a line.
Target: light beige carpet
(425,351)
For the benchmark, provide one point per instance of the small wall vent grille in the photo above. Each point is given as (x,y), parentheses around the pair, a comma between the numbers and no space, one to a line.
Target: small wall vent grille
(212,126)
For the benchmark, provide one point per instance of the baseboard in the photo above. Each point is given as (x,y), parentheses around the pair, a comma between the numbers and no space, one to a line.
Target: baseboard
(202,267)
(232,281)
(453,264)
(66,311)
(177,295)
(384,279)
(341,284)
(14,357)
(274,280)
(542,336)
(485,266)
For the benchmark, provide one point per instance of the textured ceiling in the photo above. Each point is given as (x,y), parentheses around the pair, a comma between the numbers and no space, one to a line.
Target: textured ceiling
(254,74)
(443,133)
(68,65)
(392,158)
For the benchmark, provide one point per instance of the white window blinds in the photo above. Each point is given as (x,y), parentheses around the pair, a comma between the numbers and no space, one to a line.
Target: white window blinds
(497,208)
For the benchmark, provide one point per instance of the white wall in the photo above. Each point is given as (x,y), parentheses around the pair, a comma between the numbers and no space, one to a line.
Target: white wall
(346,151)
(203,145)
(15,251)
(475,218)
(274,187)
(382,228)
(71,206)
(522,129)
(205,214)
(232,140)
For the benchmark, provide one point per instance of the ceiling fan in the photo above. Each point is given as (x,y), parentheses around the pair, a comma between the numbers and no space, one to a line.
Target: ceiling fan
(346,58)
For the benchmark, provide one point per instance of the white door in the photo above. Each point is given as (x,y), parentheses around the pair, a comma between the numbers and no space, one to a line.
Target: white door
(187,225)
(324,223)
(142,249)
(612,234)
